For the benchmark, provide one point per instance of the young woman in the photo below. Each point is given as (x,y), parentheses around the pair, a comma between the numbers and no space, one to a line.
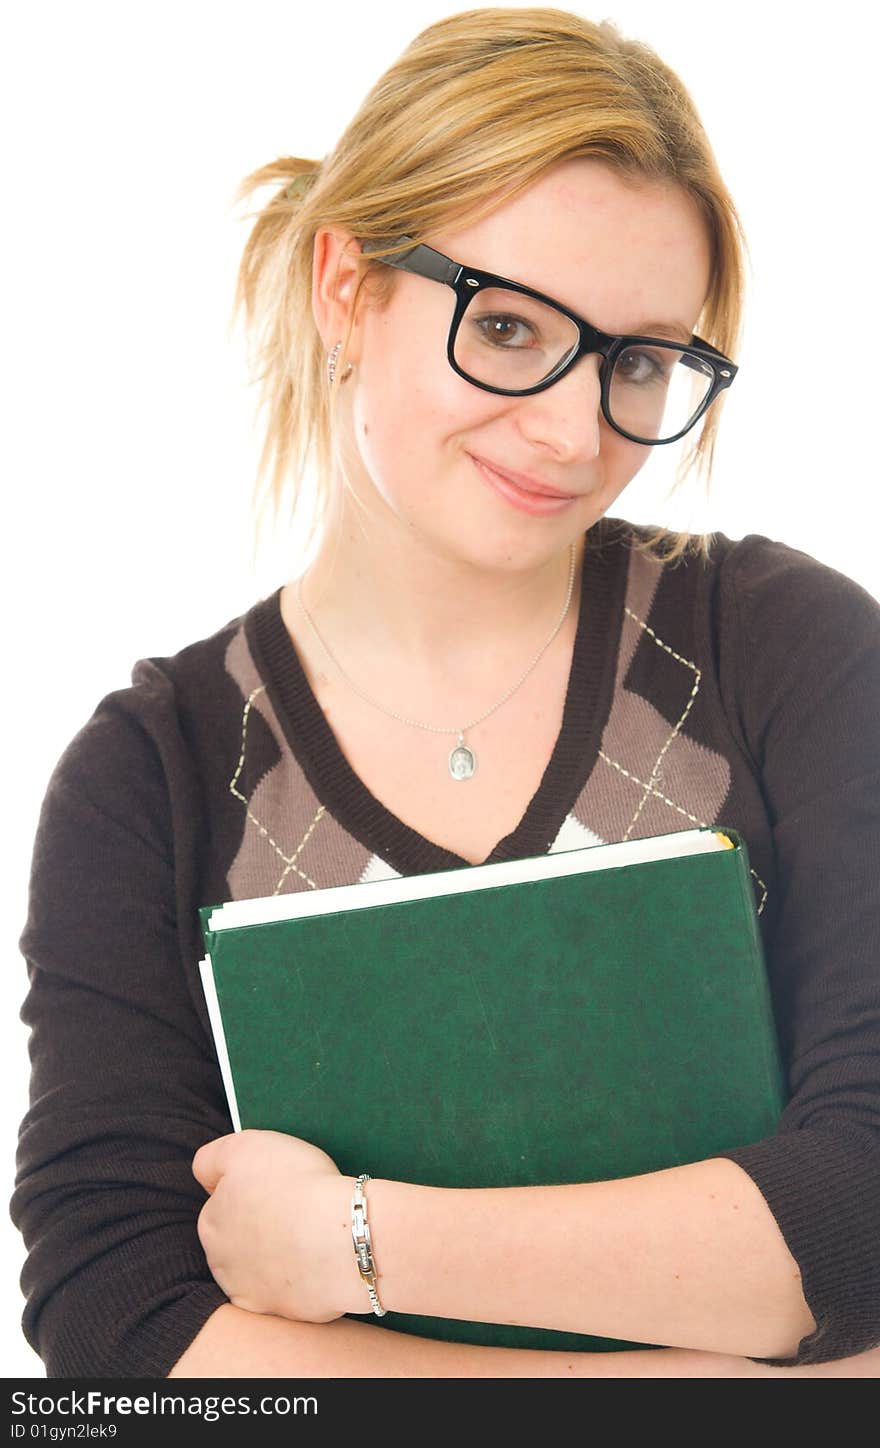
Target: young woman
(481,327)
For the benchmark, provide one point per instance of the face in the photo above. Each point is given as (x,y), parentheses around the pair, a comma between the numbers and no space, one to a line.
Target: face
(417,437)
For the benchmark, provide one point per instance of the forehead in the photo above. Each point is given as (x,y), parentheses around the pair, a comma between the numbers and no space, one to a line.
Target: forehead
(614,250)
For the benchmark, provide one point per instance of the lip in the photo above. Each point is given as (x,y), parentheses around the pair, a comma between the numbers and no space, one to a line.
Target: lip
(538,504)
(523,482)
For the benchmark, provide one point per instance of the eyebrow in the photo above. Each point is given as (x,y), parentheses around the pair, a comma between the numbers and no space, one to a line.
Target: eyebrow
(675,330)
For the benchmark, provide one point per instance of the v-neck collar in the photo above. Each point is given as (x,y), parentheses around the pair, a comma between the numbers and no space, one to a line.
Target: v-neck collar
(587,703)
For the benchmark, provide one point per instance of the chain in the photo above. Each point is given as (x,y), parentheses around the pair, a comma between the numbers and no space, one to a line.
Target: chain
(433,728)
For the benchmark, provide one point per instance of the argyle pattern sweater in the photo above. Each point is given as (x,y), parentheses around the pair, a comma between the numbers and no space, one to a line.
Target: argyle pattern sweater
(743,692)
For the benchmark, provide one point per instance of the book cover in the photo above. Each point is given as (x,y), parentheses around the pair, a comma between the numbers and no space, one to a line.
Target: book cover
(586,1015)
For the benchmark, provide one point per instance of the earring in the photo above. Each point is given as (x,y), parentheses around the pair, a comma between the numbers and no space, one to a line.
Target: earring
(331,363)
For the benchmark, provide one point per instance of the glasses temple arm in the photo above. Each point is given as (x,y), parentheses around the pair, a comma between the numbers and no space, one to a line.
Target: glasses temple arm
(421,259)
(713,351)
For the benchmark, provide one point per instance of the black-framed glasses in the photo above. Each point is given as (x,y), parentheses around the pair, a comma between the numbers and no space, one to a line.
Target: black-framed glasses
(508,338)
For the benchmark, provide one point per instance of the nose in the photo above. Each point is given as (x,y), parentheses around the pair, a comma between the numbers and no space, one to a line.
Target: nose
(566,418)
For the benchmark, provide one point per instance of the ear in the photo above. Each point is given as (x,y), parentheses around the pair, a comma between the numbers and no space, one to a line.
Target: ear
(335,273)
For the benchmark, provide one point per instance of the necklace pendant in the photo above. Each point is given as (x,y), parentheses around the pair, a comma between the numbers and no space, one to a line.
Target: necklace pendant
(462,761)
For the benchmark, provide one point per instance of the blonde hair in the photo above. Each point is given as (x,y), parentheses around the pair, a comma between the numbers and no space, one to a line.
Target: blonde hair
(473,111)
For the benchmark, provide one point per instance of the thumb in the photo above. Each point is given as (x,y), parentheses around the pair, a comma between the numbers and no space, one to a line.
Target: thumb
(209,1162)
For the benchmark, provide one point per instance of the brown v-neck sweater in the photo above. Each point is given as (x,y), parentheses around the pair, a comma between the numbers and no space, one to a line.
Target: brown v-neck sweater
(745,692)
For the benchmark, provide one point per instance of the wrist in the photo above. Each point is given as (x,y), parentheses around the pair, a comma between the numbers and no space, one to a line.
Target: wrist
(351,1292)
(382,1198)
(331,1255)
(362,1244)
(401,1223)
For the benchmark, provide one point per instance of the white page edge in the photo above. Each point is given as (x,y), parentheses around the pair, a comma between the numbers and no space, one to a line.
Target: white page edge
(206,972)
(368,893)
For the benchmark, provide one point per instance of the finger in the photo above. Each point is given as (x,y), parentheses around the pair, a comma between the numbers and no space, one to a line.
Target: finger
(209,1162)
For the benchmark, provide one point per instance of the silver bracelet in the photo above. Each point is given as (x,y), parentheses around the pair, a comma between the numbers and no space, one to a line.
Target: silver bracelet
(363,1247)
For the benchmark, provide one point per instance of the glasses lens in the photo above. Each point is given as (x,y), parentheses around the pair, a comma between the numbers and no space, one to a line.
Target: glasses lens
(657,391)
(511,341)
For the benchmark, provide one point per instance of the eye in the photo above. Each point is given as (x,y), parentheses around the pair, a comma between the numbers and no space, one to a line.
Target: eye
(503,329)
(641,367)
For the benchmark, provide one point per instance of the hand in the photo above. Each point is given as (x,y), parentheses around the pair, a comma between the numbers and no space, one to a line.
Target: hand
(277,1226)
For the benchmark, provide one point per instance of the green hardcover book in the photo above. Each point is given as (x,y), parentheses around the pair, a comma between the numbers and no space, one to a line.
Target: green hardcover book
(579,1016)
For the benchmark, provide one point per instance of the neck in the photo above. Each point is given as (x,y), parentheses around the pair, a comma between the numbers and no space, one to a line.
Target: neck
(405,606)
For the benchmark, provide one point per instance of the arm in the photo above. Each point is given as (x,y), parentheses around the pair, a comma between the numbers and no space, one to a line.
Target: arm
(651,1257)
(802,677)
(235,1343)
(123,1085)
(644,1259)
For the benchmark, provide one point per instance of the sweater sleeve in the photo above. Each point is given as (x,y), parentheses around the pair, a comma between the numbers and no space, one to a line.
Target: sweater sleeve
(123,1085)
(804,677)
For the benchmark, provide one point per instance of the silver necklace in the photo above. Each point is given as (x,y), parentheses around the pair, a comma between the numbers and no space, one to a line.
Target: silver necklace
(462,760)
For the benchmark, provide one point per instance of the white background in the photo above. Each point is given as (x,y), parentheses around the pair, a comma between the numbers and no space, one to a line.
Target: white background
(129,444)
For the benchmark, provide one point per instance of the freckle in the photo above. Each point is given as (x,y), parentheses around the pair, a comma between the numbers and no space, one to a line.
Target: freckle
(678,1276)
(736,1206)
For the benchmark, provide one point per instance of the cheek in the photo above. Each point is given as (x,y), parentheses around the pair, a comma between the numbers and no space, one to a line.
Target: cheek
(622,458)
(411,419)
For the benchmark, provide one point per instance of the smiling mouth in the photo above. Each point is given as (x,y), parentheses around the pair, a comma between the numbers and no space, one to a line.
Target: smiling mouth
(530,486)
